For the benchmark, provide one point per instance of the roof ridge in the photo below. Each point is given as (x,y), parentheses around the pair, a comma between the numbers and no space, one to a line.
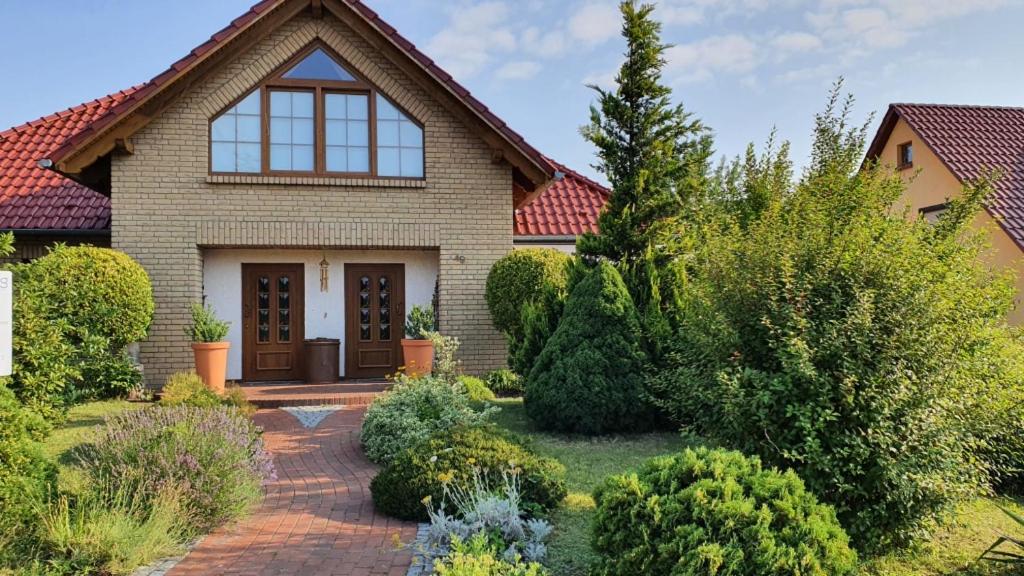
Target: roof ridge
(69,111)
(960,106)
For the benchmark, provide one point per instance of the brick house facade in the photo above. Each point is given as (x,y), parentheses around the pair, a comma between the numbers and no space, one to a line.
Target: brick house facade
(195,231)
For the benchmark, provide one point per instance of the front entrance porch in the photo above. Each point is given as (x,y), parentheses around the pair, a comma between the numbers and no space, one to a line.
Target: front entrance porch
(274,299)
(280,395)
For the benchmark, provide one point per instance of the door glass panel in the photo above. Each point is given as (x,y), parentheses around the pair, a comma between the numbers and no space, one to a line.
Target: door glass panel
(364,309)
(283,309)
(263,309)
(384,295)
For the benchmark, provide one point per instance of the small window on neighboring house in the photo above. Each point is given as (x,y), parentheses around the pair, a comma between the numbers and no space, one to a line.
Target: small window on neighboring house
(235,137)
(905,153)
(932,213)
(399,142)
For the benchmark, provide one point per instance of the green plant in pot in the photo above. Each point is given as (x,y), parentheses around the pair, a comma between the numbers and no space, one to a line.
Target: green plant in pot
(417,348)
(210,346)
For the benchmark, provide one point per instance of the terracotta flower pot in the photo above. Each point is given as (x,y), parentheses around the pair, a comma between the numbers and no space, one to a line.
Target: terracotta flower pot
(212,363)
(419,357)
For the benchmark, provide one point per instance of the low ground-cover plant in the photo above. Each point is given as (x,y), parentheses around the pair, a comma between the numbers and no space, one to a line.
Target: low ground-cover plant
(505,382)
(188,389)
(452,459)
(478,557)
(715,512)
(213,456)
(589,378)
(476,388)
(411,412)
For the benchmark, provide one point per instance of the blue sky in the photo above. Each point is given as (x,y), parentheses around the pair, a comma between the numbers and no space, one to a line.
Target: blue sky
(743,66)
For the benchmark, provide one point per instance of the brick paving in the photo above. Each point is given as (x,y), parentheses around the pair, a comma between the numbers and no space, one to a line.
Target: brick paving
(317,517)
(338,394)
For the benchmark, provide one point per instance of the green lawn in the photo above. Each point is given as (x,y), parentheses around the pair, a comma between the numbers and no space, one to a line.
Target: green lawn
(80,428)
(589,460)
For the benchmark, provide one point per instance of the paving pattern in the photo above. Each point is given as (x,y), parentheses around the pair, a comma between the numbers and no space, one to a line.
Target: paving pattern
(311,416)
(317,518)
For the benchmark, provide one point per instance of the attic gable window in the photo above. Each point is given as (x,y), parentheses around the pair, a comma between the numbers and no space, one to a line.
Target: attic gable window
(316,117)
(905,155)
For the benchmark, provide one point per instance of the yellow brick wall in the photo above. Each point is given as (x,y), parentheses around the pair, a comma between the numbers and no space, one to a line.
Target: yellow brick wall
(166,206)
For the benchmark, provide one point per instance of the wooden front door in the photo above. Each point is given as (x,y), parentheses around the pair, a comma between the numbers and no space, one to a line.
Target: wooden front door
(272,321)
(374,319)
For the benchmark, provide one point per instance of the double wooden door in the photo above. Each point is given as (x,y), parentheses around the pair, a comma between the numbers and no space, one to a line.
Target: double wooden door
(374,319)
(272,322)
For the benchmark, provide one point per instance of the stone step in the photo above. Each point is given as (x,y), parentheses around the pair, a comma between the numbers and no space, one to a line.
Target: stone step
(340,394)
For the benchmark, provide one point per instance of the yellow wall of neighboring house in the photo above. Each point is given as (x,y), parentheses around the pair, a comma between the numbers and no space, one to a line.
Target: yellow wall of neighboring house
(929,182)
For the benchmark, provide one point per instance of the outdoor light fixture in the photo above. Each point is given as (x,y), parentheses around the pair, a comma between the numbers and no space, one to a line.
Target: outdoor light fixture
(324,277)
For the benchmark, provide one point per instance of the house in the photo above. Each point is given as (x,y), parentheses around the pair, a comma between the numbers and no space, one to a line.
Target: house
(309,173)
(939,147)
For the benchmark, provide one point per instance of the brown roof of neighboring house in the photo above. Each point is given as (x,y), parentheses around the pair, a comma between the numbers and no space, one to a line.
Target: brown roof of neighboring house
(160,82)
(569,207)
(970,140)
(32,198)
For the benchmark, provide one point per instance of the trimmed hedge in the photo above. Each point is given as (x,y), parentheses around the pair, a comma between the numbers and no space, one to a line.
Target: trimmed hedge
(519,277)
(401,488)
(589,378)
(716,512)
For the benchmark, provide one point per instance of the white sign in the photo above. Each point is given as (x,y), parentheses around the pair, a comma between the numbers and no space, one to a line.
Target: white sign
(6,299)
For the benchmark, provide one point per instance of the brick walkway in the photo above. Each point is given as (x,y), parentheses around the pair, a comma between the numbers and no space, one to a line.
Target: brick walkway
(317,518)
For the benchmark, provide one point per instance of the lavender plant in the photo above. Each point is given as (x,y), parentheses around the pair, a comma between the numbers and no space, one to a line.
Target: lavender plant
(214,457)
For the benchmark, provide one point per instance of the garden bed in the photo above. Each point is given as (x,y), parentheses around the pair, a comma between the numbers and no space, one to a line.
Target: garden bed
(589,460)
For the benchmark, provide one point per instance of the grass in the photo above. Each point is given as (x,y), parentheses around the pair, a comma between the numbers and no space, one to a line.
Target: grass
(953,552)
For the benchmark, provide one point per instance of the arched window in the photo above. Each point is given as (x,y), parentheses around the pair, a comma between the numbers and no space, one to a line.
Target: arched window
(315,117)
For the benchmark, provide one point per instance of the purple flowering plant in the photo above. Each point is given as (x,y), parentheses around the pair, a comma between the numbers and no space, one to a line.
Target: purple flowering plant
(213,457)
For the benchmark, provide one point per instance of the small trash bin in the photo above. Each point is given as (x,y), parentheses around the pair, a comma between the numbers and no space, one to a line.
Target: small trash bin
(321,357)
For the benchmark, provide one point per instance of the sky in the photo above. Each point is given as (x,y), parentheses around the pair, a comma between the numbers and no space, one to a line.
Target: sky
(743,67)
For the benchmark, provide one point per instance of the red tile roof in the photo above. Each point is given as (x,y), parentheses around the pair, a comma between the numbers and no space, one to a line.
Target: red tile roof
(569,207)
(34,198)
(102,122)
(970,140)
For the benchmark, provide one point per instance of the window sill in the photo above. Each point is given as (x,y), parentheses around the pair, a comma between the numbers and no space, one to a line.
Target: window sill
(262,179)
(907,166)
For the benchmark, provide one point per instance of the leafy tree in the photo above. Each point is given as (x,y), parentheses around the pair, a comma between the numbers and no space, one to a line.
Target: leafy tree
(825,332)
(588,378)
(655,156)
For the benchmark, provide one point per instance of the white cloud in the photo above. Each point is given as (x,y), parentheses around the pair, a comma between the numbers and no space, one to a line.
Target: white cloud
(543,44)
(797,42)
(595,23)
(473,35)
(697,61)
(518,70)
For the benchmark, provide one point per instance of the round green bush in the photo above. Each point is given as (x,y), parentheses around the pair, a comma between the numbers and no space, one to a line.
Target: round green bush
(187,388)
(589,378)
(476,389)
(517,278)
(410,413)
(100,290)
(402,487)
(715,512)
(505,382)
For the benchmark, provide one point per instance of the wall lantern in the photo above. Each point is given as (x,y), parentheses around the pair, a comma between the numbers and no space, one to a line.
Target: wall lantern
(324,276)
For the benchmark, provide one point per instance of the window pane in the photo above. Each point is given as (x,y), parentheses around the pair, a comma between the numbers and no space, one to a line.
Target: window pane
(302,131)
(358,107)
(337,159)
(336,132)
(223,156)
(387,162)
(302,158)
(334,106)
(385,110)
(248,129)
(358,159)
(358,133)
(223,129)
(280,131)
(280,157)
(412,162)
(250,104)
(319,66)
(292,131)
(281,104)
(412,135)
(302,104)
(387,133)
(249,158)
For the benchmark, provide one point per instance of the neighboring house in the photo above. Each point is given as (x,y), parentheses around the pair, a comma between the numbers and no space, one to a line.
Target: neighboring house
(309,173)
(939,147)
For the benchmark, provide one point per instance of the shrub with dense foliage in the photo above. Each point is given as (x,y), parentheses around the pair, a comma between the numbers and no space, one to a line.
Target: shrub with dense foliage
(455,458)
(411,412)
(519,277)
(829,334)
(206,326)
(540,317)
(420,322)
(25,473)
(589,378)
(475,388)
(187,388)
(214,456)
(715,512)
(505,382)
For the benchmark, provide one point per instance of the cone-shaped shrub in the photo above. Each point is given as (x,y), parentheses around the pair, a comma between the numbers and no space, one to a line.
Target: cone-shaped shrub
(588,379)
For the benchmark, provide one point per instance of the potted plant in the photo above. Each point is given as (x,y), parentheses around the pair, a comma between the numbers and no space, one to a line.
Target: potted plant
(417,349)
(209,346)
